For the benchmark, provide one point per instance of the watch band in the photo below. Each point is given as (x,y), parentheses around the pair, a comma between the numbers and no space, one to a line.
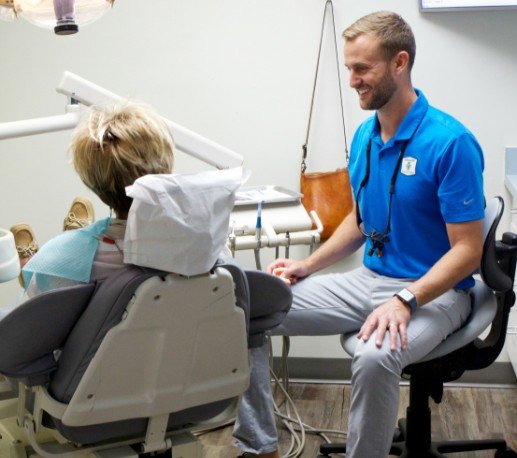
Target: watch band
(407,298)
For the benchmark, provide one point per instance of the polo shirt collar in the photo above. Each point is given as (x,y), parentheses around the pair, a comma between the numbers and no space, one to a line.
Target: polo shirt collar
(408,125)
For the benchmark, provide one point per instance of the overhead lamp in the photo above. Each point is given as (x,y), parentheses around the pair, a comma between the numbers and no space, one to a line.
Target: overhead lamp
(64,16)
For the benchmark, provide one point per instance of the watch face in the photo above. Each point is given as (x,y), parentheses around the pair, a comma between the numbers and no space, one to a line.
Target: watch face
(406,295)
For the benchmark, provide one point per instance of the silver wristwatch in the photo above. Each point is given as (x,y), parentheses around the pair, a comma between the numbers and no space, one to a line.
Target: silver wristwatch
(408,298)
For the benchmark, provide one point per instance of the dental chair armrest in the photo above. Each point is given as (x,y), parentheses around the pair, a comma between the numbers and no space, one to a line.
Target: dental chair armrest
(270,300)
(240,281)
(35,373)
(31,333)
(264,298)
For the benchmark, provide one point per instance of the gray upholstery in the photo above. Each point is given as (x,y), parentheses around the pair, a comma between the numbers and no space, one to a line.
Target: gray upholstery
(31,332)
(134,427)
(265,298)
(104,311)
(242,291)
(270,300)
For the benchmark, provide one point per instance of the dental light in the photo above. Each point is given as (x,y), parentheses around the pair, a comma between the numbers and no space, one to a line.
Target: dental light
(64,16)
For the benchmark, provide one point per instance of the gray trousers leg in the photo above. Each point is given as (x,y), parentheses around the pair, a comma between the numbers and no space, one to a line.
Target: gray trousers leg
(255,427)
(337,304)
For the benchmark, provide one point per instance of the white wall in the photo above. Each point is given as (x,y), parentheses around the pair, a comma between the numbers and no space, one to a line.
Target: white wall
(240,73)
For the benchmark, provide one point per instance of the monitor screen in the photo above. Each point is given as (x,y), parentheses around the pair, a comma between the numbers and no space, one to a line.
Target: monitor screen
(463,5)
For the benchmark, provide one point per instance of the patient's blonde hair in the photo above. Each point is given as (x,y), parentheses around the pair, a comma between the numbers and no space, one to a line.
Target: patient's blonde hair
(115,145)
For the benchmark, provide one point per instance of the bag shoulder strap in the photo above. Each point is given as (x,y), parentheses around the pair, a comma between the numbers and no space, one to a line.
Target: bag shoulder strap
(304,148)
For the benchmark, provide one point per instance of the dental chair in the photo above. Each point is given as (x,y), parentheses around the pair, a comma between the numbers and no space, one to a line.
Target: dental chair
(132,364)
(463,350)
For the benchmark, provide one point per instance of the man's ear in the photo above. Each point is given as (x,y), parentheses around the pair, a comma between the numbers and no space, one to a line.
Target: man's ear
(400,62)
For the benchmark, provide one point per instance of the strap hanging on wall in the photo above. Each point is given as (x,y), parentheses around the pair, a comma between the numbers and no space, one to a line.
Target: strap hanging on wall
(304,157)
(328,193)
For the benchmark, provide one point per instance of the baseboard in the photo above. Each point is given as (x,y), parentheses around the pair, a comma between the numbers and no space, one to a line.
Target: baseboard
(338,370)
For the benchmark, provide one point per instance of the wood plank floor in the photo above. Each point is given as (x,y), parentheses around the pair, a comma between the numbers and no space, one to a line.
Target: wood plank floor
(464,413)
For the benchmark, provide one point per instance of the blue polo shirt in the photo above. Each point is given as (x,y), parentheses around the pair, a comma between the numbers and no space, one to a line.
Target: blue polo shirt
(439,181)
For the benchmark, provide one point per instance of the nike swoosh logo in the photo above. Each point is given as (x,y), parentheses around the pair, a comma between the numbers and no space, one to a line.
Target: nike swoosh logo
(468,202)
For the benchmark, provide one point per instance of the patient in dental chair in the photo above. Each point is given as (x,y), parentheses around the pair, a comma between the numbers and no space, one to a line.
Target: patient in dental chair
(110,149)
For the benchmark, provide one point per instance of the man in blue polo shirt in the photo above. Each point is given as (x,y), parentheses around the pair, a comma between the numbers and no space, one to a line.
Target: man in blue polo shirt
(416,174)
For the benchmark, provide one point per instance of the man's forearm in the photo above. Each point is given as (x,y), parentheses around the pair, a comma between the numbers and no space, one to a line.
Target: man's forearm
(346,240)
(460,261)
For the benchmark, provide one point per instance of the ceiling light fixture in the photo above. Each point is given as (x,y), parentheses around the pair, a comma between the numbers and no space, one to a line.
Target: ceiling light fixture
(64,16)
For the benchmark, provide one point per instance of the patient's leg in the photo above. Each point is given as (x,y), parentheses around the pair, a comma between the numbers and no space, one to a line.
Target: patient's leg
(80,214)
(26,245)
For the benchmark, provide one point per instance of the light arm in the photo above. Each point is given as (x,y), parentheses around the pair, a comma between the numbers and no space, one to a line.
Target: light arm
(36,126)
(185,140)
(87,93)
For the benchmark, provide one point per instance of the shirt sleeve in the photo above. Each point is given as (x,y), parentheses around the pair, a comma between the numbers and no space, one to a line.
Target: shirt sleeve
(356,162)
(460,177)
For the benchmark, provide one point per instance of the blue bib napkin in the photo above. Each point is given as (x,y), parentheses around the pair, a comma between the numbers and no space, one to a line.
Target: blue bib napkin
(69,255)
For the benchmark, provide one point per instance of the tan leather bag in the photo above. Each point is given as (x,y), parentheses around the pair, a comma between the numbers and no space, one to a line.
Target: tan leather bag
(328,193)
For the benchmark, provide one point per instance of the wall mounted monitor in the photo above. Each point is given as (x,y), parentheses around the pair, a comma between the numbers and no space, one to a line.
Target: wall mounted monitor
(466,5)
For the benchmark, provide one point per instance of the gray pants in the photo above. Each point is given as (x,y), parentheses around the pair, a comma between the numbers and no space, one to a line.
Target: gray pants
(337,304)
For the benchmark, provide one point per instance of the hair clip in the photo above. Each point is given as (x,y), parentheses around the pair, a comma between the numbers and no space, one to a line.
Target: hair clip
(108,136)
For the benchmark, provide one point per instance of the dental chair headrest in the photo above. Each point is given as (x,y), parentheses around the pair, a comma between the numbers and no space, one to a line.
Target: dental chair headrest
(179,223)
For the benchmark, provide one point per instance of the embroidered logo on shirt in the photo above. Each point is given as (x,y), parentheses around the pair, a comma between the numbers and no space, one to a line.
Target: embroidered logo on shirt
(408,166)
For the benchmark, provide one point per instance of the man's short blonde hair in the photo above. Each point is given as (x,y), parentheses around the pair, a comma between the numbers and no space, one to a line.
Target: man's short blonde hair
(115,145)
(393,32)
